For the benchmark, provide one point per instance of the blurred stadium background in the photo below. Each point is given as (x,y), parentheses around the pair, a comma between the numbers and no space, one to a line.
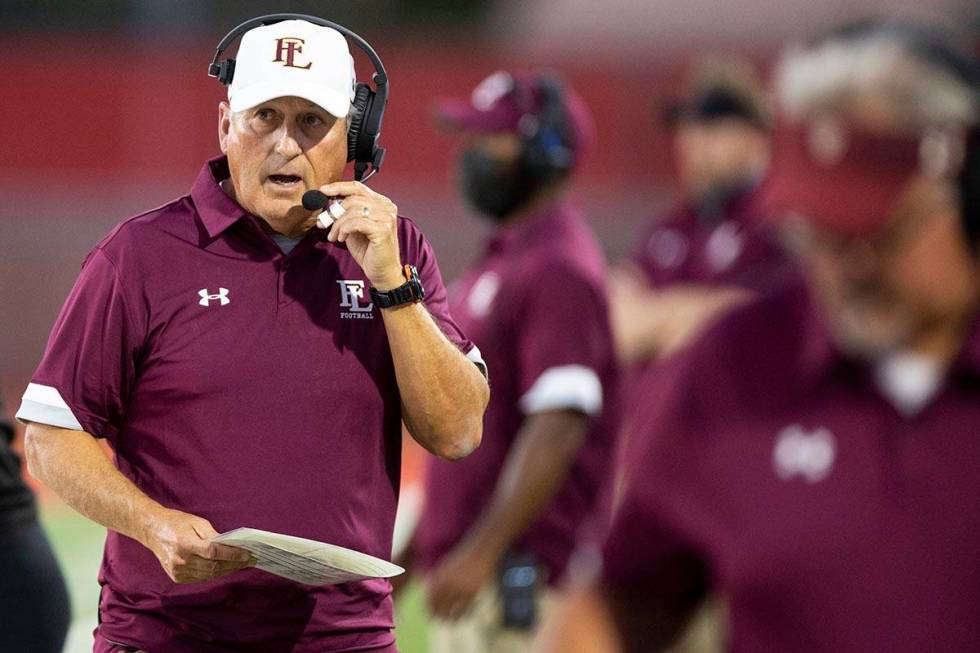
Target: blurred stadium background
(107,111)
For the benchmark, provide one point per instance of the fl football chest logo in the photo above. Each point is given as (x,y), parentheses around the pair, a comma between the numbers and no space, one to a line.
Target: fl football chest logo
(351,296)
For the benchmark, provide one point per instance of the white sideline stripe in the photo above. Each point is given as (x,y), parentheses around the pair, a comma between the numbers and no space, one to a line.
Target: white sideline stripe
(566,387)
(44,404)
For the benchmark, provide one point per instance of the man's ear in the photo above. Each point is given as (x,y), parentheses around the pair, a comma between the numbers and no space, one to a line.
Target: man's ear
(224,126)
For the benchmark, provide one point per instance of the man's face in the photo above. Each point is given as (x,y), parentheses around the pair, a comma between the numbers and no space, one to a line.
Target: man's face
(279,149)
(718,155)
(887,290)
(490,176)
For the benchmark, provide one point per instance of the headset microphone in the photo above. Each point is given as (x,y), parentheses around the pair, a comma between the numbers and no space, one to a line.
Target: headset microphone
(314,200)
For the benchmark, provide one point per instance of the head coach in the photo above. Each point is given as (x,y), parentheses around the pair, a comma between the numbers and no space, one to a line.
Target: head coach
(250,369)
(827,487)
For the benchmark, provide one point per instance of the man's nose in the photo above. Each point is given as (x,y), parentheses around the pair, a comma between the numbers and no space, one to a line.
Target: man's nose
(287,144)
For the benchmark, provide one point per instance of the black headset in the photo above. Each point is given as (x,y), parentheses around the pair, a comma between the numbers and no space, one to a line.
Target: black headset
(544,130)
(931,46)
(368,108)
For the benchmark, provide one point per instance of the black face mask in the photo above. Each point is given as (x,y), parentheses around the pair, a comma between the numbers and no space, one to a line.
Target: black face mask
(493,187)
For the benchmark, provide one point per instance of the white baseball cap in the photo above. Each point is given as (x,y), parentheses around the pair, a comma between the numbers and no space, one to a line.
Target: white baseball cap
(293,57)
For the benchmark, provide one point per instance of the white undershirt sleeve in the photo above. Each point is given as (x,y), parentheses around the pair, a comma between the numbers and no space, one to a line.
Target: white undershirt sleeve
(568,387)
(44,404)
(477,358)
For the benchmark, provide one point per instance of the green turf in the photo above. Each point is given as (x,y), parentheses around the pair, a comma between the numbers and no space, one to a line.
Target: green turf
(78,545)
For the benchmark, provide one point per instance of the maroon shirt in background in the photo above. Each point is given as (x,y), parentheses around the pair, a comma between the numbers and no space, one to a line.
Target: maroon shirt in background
(830,522)
(535,301)
(725,245)
(250,388)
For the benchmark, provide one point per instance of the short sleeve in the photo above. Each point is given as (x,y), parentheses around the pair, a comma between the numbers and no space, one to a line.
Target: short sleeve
(89,364)
(417,251)
(563,342)
(641,543)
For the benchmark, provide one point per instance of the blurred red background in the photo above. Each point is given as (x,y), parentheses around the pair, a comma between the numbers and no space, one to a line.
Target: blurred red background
(107,119)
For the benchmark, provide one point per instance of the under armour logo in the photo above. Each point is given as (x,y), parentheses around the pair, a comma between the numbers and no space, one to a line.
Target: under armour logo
(798,453)
(206,298)
(351,294)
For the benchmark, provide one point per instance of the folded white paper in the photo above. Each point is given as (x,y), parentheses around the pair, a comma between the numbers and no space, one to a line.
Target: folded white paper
(307,561)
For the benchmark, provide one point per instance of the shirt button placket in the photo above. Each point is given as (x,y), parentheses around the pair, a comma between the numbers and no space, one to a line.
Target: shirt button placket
(283,267)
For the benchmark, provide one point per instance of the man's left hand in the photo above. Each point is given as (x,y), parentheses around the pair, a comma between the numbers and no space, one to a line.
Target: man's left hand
(455,583)
(369,228)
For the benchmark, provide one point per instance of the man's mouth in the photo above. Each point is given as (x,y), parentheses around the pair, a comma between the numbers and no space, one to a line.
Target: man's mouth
(285,180)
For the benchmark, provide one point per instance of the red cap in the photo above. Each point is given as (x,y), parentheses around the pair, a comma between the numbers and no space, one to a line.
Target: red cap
(836,176)
(501,101)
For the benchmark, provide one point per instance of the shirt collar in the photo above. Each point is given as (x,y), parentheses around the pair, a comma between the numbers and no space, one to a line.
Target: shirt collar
(969,358)
(739,205)
(217,210)
(820,355)
(537,226)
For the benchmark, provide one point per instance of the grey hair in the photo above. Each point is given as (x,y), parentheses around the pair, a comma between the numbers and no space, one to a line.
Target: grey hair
(880,64)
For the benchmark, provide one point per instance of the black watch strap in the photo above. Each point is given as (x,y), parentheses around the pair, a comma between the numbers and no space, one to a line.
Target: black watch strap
(408,293)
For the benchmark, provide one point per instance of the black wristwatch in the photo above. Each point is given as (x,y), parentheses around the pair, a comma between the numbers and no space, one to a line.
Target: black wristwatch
(410,292)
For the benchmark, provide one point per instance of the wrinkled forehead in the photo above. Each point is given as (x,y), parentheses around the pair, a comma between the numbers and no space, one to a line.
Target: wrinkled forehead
(290,103)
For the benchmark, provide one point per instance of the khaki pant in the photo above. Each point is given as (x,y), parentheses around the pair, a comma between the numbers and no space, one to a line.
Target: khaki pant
(481,630)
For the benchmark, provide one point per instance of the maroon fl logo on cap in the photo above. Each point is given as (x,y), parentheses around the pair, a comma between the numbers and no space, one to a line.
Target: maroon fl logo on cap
(290,46)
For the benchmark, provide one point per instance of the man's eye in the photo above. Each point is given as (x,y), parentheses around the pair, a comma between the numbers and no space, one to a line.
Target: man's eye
(311,120)
(265,114)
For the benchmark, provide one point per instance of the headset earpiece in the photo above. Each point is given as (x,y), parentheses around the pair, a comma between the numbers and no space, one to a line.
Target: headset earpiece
(547,148)
(223,70)
(363,99)
(969,187)
(961,64)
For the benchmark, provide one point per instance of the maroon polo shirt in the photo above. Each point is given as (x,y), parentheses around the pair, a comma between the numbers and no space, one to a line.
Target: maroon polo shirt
(830,520)
(247,387)
(723,244)
(536,303)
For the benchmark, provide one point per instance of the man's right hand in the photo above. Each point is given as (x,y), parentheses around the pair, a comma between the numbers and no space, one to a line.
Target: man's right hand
(74,464)
(182,543)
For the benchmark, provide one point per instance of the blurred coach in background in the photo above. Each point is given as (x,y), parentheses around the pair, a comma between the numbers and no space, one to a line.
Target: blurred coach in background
(710,251)
(233,357)
(497,529)
(815,457)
